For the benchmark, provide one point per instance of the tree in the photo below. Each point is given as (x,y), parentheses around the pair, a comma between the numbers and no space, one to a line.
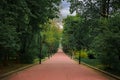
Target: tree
(95,8)
(25,18)
(107,43)
(99,24)
(51,37)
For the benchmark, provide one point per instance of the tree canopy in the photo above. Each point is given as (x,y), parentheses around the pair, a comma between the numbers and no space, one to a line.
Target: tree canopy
(21,26)
(95,29)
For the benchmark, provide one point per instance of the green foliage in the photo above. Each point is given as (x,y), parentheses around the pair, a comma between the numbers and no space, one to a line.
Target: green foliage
(91,54)
(101,42)
(44,51)
(96,29)
(93,62)
(94,8)
(51,37)
(8,42)
(69,33)
(108,43)
(82,54)
(21,26)
(76,33)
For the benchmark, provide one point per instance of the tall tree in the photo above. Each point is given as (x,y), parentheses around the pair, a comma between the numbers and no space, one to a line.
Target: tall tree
(24,18)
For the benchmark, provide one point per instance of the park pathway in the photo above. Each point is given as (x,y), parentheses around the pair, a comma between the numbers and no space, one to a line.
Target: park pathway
(59,67)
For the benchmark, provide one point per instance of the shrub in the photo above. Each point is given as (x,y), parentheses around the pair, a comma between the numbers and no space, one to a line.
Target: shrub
(82,54)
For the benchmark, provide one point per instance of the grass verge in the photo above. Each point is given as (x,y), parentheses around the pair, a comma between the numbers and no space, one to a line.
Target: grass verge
(96,63)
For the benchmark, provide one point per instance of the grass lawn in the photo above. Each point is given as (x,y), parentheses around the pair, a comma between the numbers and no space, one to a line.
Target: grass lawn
(93,62)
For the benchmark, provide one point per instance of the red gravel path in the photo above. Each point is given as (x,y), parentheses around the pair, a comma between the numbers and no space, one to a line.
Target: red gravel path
(59,67)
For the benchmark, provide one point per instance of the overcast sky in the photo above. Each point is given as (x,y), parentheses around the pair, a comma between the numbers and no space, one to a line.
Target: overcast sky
(65,6)
(64,12)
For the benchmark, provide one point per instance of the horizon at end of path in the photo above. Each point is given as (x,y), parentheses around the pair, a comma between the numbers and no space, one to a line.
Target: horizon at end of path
(59,67)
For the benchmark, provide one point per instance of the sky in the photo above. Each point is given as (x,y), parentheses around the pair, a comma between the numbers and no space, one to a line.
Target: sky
(64,12)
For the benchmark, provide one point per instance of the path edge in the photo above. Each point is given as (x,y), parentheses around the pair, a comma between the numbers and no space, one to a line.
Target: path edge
(16,70)
(19,69)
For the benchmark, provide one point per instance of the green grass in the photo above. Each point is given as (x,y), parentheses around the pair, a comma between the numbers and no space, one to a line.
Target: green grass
(93,62)
(96,63)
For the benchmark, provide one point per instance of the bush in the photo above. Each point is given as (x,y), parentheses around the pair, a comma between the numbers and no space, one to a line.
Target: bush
(107,43)
(82,54)
(44,51)
(27,58)
(91,54)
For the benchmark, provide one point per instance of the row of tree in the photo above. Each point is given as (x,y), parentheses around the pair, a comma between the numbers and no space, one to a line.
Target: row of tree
(21,28)
(51,38)
(96,29)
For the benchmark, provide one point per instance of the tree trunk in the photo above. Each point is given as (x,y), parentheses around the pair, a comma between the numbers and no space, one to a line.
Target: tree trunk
(105,8)
(108,5)
(5,60)
(40,43)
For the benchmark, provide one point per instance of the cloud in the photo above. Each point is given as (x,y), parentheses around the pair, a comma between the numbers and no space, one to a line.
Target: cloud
(65,6)
(64,12)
